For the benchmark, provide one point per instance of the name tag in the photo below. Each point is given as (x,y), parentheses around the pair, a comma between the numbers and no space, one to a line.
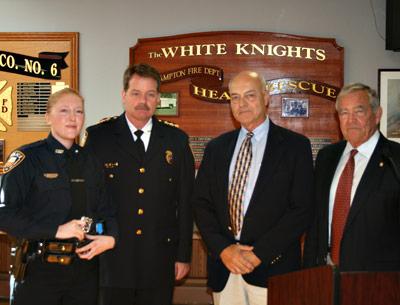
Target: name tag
(50,175)
(111,164)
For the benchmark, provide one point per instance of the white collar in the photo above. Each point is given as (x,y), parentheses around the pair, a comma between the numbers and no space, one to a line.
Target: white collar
(146,128)
(367,148)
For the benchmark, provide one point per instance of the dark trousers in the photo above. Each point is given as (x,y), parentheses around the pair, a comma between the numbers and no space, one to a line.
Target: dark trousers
(55,284)
(129,296)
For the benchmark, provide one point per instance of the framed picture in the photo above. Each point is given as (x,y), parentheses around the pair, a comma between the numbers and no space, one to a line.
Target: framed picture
(294,107)
(389,94)
(168,105)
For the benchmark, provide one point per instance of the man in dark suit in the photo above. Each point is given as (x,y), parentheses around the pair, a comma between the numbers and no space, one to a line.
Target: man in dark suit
(149,170)
(363,233)
(252,228)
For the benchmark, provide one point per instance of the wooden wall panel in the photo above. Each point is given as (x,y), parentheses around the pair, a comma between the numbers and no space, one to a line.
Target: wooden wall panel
(295,67)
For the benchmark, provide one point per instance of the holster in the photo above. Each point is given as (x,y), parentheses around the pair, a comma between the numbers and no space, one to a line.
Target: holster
(19,258)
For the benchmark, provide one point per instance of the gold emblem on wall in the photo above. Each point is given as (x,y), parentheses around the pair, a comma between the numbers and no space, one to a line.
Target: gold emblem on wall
(6,106)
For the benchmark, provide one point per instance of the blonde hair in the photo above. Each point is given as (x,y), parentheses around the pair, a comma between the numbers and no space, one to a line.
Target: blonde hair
(55,97)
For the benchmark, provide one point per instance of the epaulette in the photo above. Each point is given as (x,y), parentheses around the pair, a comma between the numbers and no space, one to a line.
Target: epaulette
(82,140)
(169,123)
(15,159)
(107,119)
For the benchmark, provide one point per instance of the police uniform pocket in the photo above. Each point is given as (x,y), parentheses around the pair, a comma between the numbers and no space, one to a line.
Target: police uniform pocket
(50,182)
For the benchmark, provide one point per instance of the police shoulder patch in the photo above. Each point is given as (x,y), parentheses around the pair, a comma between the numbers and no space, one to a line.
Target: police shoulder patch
(169,123)
(13,161)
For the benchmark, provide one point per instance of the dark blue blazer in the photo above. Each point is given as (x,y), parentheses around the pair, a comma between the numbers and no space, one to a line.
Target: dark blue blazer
(371,238)
(279,209)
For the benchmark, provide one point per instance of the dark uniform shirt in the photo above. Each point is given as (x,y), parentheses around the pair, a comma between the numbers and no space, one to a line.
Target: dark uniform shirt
(36,192)
(152,197)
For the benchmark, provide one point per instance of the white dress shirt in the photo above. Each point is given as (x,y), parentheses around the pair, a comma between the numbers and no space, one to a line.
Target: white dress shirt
(258,142)
(361,160)
(146,131)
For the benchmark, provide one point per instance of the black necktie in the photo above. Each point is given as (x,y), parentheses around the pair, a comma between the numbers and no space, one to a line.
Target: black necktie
(77,183)
(139,144)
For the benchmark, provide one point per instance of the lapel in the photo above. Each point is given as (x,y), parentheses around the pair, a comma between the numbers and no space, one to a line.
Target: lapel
(272,154)
(156,140)
(223,165)
(369,180)
(124,137)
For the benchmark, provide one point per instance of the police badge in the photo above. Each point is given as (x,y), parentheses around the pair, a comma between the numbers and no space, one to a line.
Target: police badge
(169,157)
(87,224)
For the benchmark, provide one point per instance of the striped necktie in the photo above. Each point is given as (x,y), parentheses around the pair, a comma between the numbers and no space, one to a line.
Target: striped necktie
(238,184)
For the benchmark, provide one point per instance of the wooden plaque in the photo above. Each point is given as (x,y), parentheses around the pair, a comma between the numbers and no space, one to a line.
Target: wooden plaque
(303,76)
(32,66)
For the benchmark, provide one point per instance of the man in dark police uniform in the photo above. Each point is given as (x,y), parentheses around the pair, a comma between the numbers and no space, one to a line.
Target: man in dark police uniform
(149,170)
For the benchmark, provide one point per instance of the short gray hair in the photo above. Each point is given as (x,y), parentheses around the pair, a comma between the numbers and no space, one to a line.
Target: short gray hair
(372,97)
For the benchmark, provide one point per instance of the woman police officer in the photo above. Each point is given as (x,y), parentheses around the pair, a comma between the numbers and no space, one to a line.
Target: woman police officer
(46,188)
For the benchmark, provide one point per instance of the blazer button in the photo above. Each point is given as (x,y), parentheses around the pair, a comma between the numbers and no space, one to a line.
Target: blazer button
(139,232)
(142,170)
(111,176)
(141,190)
(140,211)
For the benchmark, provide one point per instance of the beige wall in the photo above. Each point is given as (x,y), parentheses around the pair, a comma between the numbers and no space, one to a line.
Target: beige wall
(109,28)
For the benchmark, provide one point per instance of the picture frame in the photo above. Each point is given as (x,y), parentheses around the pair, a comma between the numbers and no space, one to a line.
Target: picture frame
(389,96)
(169,104)
(295,107)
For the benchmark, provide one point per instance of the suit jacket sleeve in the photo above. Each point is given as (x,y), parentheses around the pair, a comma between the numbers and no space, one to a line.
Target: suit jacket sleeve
(311,241)
(205,206)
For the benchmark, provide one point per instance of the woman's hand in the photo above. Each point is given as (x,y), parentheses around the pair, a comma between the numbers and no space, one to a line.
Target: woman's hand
(71,229)
(98,245)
